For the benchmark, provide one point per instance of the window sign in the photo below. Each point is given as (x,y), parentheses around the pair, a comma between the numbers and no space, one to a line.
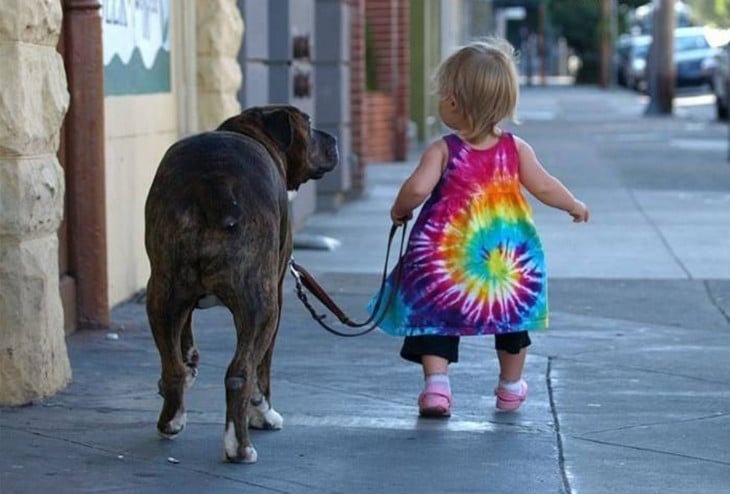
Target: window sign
(136,39)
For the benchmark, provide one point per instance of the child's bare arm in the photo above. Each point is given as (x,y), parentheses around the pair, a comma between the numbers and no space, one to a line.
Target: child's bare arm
(546,188)
(419,185)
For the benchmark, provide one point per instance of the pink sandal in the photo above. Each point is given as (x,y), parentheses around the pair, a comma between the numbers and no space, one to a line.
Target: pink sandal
(508,401)
(435,401)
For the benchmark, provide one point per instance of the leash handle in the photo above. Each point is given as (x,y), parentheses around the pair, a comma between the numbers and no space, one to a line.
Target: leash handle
(304,279)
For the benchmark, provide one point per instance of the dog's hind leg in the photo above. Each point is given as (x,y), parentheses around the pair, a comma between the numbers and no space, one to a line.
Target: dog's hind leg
(254,325)
(190,354)
(262,414)
(167,315)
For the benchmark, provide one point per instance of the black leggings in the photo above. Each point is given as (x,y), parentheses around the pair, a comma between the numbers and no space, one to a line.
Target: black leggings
(414,347)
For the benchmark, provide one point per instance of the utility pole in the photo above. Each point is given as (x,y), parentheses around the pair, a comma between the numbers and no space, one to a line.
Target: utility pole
(606,41)
(661,59)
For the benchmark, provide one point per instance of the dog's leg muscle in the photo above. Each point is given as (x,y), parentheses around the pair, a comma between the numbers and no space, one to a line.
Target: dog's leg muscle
(262,414)
(190,353)
(167,315)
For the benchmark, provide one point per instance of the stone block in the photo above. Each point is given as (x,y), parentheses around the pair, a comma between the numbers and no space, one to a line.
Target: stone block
(256,44)
(33,358)
(214,108)
(219,27)
(332,94)
(31,195)
(33,99)
(256,85)
(333,33)
(219,74)
(339,179)
(37,22)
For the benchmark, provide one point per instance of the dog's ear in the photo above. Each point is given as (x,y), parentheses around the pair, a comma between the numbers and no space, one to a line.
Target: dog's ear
(279,126)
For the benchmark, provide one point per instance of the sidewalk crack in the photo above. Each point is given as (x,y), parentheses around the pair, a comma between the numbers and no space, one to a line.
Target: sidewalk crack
(715,302)
(558,435)
(658,231)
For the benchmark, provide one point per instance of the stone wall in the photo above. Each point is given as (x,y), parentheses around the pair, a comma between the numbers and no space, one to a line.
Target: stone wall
(33,101)
(219,33)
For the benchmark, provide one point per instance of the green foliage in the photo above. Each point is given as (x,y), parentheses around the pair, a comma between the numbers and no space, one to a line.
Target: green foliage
(711,12)
(579,22)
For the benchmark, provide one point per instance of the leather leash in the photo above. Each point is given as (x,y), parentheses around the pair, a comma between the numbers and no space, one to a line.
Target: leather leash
(304,279)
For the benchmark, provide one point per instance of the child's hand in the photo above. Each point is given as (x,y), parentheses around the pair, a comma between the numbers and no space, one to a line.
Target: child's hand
(398,218)
(579,212)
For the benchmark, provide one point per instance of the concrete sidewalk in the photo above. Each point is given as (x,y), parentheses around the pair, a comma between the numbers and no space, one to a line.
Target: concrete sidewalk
(629,388)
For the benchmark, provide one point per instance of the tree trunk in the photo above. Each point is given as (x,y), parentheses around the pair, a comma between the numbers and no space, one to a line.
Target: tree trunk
(606,51)
(661,60)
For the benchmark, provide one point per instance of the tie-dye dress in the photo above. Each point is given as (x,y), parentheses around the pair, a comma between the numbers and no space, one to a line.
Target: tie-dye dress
(474,263)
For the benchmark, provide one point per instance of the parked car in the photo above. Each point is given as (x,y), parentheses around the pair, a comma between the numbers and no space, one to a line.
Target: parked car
(635,53)
(721,81)
(694,56)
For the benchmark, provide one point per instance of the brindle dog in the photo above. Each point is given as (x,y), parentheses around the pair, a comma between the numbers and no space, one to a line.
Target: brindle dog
(217,224)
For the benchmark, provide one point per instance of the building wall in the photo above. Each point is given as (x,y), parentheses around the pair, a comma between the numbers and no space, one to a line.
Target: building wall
(139,129)
(33,358)
(204,78)
(141,122)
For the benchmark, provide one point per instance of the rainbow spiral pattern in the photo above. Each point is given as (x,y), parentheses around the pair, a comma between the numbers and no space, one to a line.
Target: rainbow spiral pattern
(474,262)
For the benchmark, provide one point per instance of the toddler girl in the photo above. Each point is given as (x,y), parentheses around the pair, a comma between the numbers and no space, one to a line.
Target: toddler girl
(474,264)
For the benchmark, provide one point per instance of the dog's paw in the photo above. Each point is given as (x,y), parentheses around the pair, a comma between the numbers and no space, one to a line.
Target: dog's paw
(174,427)
(232,450)
(190,374)
(262,416)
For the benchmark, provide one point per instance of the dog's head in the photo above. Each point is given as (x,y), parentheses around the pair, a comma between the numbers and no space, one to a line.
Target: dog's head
(287,133)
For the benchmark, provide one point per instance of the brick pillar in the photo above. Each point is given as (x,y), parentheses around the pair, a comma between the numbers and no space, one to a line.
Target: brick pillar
(401,73)
(387,108)
(357,94)
(33,358)
(219,29)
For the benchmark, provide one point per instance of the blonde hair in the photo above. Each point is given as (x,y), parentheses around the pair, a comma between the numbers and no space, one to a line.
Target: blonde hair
(482,78)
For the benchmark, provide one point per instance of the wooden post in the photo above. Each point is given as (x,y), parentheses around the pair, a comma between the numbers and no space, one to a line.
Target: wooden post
(661,60)
(84,155)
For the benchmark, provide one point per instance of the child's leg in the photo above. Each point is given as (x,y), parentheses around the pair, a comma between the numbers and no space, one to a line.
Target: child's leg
(511,365)
(434,364)
(434,353)
(511,353)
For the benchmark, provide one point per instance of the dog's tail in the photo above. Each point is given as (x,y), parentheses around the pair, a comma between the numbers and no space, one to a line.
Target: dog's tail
(220,207)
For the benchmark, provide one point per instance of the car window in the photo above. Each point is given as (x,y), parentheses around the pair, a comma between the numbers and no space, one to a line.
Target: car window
(686,43)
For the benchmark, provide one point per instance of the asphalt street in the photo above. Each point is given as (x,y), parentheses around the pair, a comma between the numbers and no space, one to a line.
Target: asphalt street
(629,387)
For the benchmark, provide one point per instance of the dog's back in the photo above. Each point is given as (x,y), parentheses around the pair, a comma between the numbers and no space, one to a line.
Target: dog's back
(211,191)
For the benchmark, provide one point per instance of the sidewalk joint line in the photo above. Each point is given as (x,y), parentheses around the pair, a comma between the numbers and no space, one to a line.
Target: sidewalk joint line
(647,370)
(658,231)
(652,424)
(558,434)
(715,302)
(651,450)
(141,459)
